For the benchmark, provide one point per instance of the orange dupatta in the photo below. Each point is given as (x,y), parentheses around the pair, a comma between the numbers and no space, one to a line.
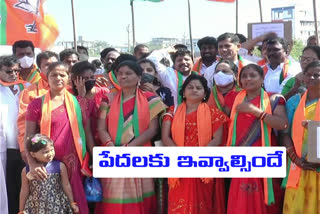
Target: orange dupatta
(265,135)
(297,133)
(116,120)
(204,131)
(197,66)
(74,115)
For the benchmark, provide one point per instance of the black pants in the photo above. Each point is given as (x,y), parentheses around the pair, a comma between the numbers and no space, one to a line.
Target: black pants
(14,167)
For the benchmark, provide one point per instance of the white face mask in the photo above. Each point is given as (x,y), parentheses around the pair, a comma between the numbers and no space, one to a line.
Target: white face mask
(26,62)
(222,79)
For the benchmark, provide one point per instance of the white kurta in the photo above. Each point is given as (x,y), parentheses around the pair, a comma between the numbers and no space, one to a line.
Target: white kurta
(3,160)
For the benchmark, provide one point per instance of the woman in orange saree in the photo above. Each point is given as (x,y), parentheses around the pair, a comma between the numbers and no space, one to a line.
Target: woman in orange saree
(188,126)
(130,120)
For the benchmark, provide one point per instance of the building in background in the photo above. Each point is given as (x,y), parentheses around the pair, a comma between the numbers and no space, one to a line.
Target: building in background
(300,13)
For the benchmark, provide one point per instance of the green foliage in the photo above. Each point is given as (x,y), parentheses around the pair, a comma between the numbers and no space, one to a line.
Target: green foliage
(297,48)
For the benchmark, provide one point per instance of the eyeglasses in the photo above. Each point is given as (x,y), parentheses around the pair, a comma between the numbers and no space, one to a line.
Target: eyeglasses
(306,59)
(11,71)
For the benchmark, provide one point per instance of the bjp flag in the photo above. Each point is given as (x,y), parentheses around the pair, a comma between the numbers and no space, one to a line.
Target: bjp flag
(26,20)
(226,1)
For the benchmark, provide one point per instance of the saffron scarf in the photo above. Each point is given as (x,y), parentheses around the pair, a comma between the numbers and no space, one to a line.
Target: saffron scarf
(180,81)
(116,118)
(265,135)
(283,74)
(262,62)
(75,119)
(114,80)
(42,85)
(20,83)
(297,134)
(34,75)
(204,131)
(197,66)
(240,66)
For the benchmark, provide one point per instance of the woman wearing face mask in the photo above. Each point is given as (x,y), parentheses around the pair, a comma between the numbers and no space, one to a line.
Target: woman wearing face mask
(83,85)
(150,82)
(254,113)
(224,79)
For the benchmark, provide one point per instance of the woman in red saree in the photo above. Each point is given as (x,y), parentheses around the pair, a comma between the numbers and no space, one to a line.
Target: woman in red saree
(253,111)
(188,126)
(130,120)
(58,115)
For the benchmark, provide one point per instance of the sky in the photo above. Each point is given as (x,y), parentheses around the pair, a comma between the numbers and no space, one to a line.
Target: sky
(107,20)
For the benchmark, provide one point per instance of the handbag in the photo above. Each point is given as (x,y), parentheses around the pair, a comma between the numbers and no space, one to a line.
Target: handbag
(93,189)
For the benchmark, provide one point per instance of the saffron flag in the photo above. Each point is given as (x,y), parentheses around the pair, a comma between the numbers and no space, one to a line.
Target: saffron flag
(226,1)
(26,20)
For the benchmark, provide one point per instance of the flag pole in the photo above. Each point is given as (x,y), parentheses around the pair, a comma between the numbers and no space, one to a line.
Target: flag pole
(190,31)
(133,29)
(261,20)
(74,27)
(315,20)
(237,16)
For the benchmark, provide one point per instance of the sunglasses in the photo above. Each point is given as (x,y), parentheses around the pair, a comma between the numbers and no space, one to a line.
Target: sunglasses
(11,71)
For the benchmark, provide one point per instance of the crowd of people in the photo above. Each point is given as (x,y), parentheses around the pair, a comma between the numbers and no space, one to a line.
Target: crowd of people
(56,108)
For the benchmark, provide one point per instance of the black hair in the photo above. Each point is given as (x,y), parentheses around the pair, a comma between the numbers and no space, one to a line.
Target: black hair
(148,61)
(133,65)
(105,52)
(180,46)
(203,82)
(155,80)
(66,53)
(45,55)
(208,40)
(315,49)
(312,37)
(8,61)
(53,65)
(279,40)
(312,65)
(121,58)
(97,63)
(233,38)
(233,66)
(241,37)
(38,142)
(79,47)
(78,68)
(138,47)
(255,67)
(22,44)
(181,52)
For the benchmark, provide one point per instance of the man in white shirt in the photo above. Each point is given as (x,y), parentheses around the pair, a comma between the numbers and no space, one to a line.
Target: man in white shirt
(208,51)
(10,88)
(228,47)
(173,78)
(279,69)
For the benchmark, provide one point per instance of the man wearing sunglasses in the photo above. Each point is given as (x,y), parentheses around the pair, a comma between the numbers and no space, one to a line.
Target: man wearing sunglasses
(10,158)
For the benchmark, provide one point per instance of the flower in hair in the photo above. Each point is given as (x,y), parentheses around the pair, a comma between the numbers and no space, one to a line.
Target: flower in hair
(36,139)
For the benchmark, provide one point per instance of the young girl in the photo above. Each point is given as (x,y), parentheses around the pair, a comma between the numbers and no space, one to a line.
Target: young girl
(52,195)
